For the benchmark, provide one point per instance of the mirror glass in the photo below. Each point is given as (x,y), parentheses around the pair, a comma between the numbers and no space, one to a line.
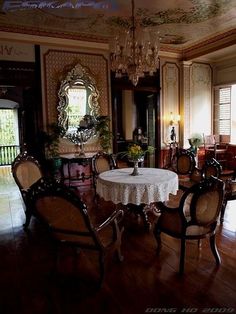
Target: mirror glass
(78,103)
(77,108)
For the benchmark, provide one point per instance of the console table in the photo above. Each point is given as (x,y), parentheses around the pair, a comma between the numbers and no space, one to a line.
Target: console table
(76,168)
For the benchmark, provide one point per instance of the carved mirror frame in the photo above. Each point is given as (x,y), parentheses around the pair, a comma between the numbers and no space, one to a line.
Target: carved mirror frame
(78,76)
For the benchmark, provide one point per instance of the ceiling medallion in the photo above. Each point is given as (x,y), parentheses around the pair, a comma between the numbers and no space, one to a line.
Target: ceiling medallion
(136,54)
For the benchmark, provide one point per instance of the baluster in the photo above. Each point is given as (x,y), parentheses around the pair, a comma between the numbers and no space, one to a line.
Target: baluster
(12,154)
(8,155)
(4,155)
(1,160)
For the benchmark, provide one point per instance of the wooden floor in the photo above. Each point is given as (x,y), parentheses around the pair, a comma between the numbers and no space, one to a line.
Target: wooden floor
(142,283)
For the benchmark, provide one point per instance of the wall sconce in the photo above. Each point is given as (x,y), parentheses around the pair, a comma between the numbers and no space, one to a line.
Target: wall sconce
(174,119)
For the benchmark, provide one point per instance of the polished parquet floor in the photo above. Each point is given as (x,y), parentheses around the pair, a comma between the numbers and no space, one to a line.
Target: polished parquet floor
(142,283)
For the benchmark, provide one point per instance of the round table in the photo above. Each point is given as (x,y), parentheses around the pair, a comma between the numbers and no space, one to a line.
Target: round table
(152,185)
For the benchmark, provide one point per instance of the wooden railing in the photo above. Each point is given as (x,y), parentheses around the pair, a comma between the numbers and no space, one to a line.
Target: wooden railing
(8,153)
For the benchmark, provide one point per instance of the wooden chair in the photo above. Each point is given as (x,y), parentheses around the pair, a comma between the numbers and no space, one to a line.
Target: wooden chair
(209,143)
(195,217)
(216,146)
(229,171)
(66,216)
(102,162)
(185,167)
(26,170)
(211,168)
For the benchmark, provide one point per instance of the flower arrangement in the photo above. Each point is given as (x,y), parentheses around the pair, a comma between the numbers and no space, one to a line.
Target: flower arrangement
(135,152)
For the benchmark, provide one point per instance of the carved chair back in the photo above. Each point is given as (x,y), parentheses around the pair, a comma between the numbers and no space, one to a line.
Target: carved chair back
(26,170)
(102,162)
(185,162)
(211,168)
(195,217)
(66,216)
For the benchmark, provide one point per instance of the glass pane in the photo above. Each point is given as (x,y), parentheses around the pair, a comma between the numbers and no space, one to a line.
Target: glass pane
(77,107)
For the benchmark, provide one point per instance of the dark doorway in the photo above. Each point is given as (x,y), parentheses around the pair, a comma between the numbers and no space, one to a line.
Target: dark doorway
(135,115)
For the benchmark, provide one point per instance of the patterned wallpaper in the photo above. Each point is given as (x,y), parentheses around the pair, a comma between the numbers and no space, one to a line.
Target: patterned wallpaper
(57,63)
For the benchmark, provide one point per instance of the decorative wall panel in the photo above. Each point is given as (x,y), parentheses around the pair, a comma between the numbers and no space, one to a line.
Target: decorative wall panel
(170,98)
(200,98)
(186,104)
(57,64)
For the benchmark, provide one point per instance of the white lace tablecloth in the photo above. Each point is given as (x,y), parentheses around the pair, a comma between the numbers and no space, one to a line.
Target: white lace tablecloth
(152,185)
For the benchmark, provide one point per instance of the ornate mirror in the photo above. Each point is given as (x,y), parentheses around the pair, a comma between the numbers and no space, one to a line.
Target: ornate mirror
(78,106)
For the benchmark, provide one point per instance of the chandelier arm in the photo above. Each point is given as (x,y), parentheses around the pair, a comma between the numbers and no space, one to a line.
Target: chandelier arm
(133,33)
(136,58)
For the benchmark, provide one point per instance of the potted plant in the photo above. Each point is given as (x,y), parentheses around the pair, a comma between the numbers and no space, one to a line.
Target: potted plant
(104,134)
(51,140)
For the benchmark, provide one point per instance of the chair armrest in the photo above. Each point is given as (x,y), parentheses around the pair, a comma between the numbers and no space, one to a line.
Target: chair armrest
(163,207)
(118,215)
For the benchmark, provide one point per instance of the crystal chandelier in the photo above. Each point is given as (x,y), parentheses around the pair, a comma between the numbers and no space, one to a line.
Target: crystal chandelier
(137,55)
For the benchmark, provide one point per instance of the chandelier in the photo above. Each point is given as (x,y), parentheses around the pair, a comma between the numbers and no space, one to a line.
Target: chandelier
(137,54)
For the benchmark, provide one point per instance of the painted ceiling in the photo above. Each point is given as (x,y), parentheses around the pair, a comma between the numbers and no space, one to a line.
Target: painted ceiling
(180,23)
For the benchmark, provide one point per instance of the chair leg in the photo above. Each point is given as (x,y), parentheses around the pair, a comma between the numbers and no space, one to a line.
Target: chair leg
(214,249)
(101,267)
(55,258)
(118,232)
(27,219)
(222,213)
(157,234)
(182,256)
(119,255)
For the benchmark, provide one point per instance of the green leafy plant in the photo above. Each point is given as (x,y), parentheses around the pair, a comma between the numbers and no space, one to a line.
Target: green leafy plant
(135,152)
(104,134)
(51,140)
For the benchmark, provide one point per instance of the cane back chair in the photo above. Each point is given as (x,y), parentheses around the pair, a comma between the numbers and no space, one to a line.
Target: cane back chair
(26,170)
(101,162)
(185,167)
(195,218)
(66,216)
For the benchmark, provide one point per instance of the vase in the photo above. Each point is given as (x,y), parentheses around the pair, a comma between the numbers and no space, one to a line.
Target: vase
(136,161)
(135,171)
(79,150)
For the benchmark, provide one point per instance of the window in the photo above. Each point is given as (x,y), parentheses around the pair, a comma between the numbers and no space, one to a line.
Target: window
(9,127)
(223,111)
